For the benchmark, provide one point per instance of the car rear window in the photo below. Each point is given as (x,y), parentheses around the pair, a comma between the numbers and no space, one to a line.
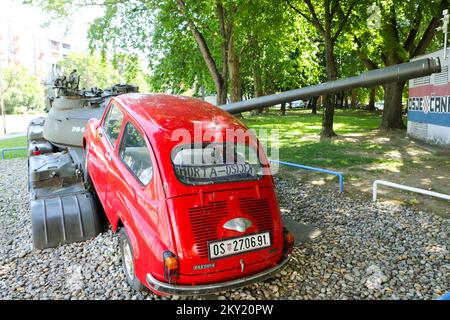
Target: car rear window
(216,163)
(135,154)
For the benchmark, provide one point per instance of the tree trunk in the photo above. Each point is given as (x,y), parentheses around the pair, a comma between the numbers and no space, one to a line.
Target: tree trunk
(353,99)
(314,105)
(234,74)
(328,118)
(221,89)
(283,109)
(226,31)
(220,79)
(330,28)
(269,86)
(392,113)
(342,96)
(257,86)
(373,93)
(328,112)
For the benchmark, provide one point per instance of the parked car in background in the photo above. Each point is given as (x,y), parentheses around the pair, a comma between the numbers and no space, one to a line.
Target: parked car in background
(362,106)
(297,104)
(186,227)
(379,105)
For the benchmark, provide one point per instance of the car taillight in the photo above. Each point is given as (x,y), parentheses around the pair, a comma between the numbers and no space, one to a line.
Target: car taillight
(36,151)
(289,241)
(170,266)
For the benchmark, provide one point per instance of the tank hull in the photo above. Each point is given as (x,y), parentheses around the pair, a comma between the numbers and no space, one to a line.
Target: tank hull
(63,207)
(66,120)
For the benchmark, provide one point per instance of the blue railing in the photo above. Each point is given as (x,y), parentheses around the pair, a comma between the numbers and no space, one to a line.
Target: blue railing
(11,149)
(338,174)
(444,297)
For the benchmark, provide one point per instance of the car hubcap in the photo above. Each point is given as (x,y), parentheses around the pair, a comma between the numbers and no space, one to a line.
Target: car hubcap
(128,259)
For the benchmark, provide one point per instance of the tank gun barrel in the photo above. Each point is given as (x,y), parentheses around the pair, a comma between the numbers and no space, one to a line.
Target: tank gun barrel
(396,73)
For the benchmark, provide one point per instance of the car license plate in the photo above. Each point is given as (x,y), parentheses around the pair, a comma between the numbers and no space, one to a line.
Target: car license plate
(233,246)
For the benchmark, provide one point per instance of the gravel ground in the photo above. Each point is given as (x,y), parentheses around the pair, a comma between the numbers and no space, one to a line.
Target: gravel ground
(366,251)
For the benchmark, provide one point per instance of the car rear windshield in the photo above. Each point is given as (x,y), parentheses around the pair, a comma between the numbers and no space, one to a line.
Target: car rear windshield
(216,163)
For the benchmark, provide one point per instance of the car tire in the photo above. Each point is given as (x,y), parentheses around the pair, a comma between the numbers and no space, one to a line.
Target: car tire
(126,251)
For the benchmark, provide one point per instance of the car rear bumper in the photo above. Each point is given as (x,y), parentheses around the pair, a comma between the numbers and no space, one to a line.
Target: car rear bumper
(167,288)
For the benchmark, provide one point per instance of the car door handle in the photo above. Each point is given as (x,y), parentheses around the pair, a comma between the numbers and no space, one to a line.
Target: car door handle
(107,156)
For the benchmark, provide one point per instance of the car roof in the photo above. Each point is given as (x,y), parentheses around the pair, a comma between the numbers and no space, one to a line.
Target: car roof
(159,114)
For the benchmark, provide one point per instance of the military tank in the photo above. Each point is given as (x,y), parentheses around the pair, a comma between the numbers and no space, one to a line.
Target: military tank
(64,209)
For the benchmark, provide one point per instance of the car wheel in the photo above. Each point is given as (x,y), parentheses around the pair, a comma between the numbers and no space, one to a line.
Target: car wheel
(126,251)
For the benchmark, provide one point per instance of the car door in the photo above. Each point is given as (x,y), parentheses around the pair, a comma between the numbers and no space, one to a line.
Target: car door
(108,134)
(133,182)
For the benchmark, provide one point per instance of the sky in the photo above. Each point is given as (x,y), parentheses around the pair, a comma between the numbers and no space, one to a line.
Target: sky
(29,17)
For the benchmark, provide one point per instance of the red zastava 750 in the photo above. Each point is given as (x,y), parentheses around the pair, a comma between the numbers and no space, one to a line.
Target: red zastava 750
(196,210)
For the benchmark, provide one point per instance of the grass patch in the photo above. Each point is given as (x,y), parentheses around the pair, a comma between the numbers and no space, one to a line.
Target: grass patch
(299,143)
(325,154)
(14,143)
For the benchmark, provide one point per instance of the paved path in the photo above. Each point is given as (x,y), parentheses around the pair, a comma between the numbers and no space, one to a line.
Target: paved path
(12,135)
(16,125)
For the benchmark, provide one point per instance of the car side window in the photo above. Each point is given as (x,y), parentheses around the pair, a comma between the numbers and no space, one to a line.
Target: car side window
(113,123)
(135,154)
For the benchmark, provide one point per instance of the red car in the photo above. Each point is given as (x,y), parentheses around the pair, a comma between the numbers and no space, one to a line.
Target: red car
(194,217)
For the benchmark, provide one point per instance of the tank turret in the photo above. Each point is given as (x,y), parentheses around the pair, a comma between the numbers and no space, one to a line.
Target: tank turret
(72,108)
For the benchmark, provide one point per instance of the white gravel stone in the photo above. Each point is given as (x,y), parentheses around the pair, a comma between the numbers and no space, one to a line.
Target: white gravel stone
(366,251)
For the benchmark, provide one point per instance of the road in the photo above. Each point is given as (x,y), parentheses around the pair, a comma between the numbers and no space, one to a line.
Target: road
(16,125)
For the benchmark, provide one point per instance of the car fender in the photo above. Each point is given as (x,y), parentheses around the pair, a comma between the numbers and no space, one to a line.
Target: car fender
(115,223)
(132,237)
(145,262)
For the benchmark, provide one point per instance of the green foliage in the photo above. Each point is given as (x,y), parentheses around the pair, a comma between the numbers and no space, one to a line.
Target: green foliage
(22,91)
(158,29)
(276,39)
(175,60)
(93,70)
(403,25)
(98,71)
(269,36)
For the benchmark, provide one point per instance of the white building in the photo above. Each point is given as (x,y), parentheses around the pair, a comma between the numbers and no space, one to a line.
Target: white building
(24,40)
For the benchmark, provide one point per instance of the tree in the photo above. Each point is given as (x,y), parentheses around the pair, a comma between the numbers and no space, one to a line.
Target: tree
(329,18)
(22,91)
(225,27)
(226,46)
(189,40)
(406,30)
(99,72)
(93,71)
(277,52)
